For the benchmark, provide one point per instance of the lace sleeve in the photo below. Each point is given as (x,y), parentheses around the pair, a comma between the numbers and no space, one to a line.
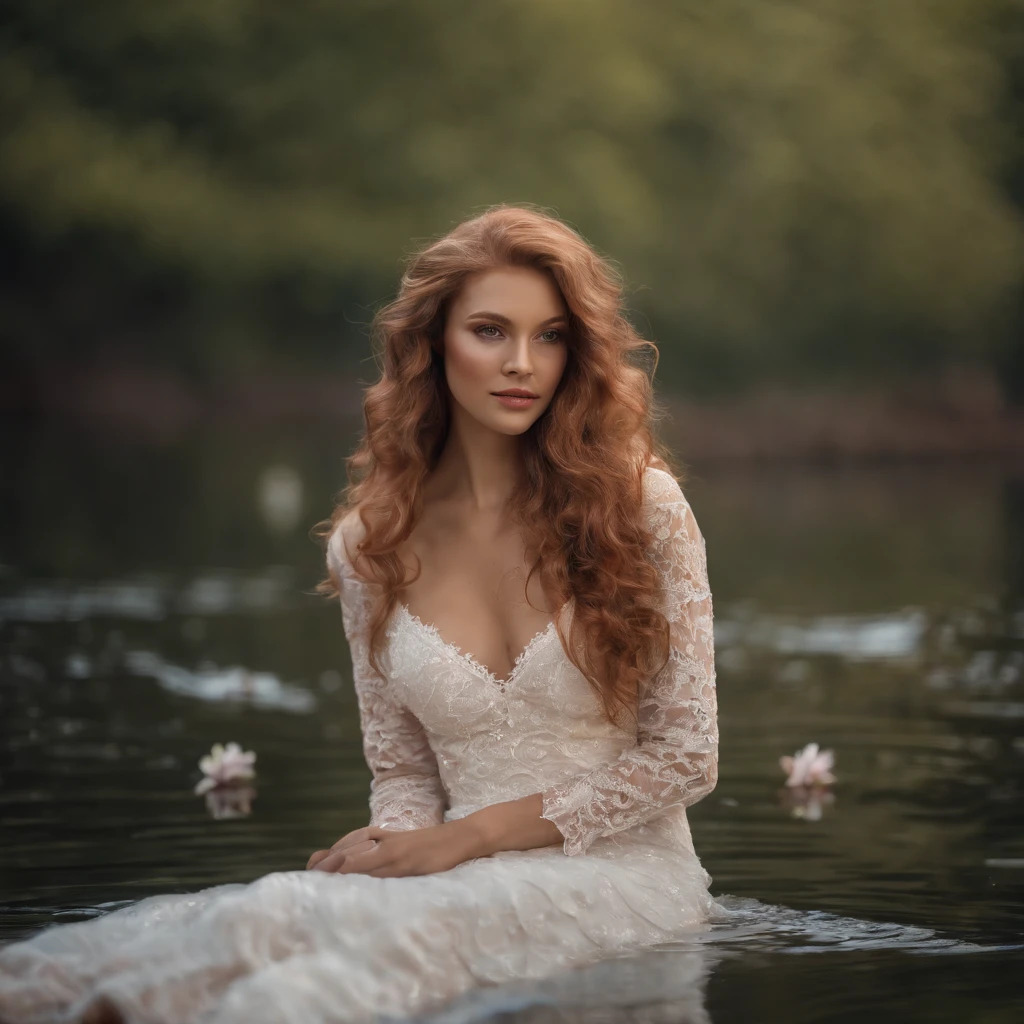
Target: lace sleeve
(675,759)
(406,790)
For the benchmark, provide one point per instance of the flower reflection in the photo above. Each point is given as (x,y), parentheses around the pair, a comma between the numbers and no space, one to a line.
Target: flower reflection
(230,801)
(807,802)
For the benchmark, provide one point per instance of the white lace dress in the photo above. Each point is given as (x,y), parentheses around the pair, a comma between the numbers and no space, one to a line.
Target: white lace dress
(443,737)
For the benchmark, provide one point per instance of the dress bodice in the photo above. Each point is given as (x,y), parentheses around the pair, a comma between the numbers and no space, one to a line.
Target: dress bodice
(497,740)
(444,737)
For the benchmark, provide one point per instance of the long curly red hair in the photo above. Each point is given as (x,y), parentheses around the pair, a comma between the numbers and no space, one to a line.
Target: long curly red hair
(579,502)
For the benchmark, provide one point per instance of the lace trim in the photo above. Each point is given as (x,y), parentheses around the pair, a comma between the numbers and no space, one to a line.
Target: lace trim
(433,632)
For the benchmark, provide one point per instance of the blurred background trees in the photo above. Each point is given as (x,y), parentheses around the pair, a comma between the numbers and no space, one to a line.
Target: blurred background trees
(805,191)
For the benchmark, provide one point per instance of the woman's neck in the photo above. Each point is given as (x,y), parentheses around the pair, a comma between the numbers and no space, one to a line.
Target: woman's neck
(477,466)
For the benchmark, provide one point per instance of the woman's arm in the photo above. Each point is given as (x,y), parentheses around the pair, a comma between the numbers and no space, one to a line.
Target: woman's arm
(675,760)
(406,790)
(383,853)
(406,794)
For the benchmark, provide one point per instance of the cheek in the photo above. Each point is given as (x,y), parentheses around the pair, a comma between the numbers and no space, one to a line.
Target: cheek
(470,363)
(557,363)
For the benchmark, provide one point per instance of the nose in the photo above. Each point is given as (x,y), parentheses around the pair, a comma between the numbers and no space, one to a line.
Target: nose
(519,359)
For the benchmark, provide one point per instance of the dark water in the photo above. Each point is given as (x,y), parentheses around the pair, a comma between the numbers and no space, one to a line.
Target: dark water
(156,599)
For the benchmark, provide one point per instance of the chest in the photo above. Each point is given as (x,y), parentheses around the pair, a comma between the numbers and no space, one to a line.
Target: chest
(452,695)
(472,591)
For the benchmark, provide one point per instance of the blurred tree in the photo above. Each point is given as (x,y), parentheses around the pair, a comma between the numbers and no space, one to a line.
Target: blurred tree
(797,189)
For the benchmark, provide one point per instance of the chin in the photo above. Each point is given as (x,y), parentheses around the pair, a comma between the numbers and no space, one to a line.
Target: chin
(491,416)
(512,429)
(512,425)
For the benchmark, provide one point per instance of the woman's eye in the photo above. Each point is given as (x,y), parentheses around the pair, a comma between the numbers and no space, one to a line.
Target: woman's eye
(552,335)
(489,327)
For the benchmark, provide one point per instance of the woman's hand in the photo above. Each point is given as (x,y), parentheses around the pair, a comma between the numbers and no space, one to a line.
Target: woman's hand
(362,847)
(386,853)
(390,853)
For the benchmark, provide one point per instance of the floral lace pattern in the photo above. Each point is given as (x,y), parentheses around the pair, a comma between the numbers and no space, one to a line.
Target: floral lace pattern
(443,736)
(406,790)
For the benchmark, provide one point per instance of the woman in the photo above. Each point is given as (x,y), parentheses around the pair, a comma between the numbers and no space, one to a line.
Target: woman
(524,591)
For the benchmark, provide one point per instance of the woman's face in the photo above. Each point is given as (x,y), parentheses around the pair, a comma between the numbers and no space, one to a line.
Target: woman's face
(506,329)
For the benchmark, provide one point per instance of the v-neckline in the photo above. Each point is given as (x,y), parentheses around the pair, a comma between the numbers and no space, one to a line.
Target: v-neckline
(432,631)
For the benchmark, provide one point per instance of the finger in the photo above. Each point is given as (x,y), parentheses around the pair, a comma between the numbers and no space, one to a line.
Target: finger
(364,863)
(315,858)
(394,869)
(350,851)
(349,838)
(331,862)
(360,835)
(353,851)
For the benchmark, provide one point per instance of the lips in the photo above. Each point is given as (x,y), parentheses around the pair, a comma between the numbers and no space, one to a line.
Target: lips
(516,398)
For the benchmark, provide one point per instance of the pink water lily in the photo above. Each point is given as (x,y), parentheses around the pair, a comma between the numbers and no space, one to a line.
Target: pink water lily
(225,766)
(809,767)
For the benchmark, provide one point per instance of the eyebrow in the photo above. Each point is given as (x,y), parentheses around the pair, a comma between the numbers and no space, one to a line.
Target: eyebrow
(502,319)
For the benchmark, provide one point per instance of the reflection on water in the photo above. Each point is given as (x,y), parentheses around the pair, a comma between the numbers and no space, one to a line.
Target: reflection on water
(658,987)
(807,802)
(154,601)
(230,801)
(261,689)
(212,593)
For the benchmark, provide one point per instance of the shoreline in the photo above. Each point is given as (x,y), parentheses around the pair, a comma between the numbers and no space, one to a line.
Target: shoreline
(961,414)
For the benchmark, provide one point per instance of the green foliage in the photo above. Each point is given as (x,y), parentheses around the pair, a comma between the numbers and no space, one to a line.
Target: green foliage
(811,187)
